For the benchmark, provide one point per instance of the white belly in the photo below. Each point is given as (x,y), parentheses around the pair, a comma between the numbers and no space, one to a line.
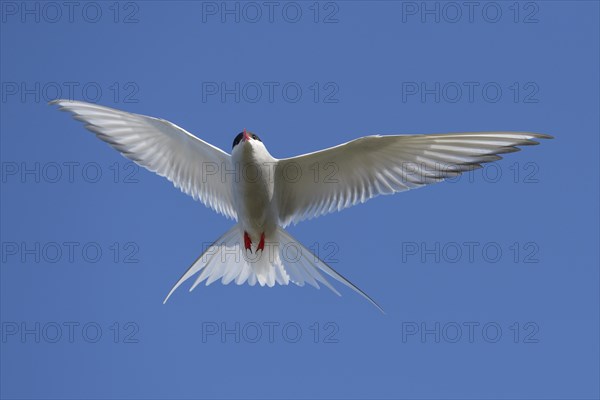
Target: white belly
(253,190)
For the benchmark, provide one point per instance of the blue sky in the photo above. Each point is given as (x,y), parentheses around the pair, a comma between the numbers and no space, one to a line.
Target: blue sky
(490,282)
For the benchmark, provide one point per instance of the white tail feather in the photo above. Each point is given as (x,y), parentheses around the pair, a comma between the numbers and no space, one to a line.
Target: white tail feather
(282,261)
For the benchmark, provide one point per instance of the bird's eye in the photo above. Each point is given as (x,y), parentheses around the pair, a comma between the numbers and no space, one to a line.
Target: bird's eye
(237,139)
(256,138)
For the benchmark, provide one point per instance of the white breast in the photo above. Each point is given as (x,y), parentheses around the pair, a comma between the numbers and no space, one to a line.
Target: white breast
(253,188)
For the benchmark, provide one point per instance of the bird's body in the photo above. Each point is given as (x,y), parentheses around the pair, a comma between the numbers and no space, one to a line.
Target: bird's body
(265,194)
(254,190)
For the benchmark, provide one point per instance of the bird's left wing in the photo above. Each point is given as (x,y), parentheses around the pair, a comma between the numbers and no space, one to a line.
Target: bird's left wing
(193,165)
(332,179)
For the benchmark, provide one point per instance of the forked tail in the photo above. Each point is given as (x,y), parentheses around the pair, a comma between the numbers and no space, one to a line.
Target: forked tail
(282,261)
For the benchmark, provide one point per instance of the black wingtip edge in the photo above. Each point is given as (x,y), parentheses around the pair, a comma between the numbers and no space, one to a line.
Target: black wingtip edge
(543,136)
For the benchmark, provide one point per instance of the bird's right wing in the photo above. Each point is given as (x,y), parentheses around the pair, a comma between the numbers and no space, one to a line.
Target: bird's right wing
(332,179)
(193,165)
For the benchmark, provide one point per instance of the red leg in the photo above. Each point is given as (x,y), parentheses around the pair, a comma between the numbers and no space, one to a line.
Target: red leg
(261,244)
(247,241)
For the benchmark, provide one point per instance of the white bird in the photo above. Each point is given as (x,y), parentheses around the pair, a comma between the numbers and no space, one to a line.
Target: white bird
(265,194)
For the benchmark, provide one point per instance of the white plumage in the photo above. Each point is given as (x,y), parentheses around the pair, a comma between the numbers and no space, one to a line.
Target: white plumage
(265,194)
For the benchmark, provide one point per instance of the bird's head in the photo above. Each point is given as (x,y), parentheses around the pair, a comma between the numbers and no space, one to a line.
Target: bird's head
(246,139)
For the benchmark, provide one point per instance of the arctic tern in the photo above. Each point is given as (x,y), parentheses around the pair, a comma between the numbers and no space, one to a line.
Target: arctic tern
(265,194)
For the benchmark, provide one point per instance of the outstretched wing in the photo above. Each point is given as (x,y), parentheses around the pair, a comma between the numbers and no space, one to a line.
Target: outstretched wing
(192,164)
(336,178)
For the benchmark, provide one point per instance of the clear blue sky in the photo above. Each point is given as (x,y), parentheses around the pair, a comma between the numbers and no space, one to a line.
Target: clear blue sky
(490,283)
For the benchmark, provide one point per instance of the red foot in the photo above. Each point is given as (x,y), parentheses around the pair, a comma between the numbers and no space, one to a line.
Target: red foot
(247,241)
(261,244)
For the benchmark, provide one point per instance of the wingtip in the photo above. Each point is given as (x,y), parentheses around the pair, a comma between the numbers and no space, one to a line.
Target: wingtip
(539,136)
(533,138)
(60,103)
(543,136)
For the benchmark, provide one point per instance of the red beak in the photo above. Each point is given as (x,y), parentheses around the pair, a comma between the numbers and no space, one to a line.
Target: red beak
(246,136)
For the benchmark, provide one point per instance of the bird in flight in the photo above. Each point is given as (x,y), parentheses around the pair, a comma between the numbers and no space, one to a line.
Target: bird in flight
(265,194)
